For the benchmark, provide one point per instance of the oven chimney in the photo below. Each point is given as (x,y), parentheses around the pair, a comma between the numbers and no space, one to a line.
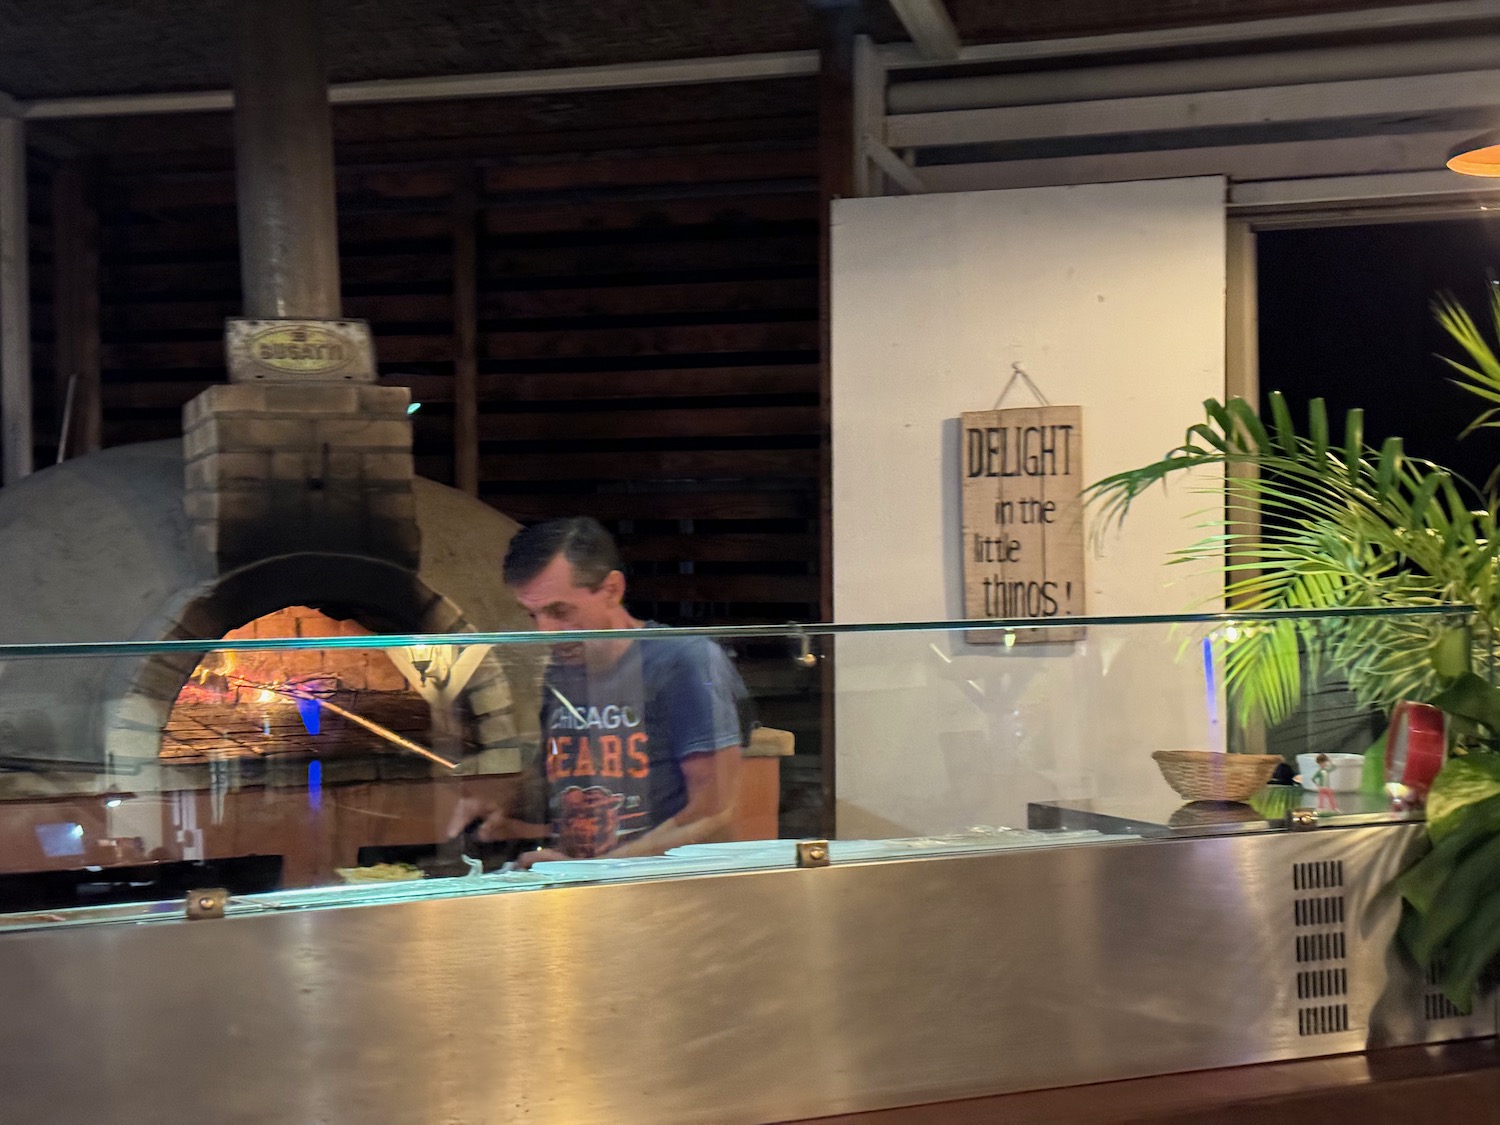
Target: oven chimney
(299,452)
(283,149)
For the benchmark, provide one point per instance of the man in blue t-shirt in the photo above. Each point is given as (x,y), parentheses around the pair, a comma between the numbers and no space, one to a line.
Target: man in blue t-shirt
(641,739)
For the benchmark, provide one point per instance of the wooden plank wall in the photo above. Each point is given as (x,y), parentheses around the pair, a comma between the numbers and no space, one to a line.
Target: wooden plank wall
(635,332)
(46,399)
(642,342)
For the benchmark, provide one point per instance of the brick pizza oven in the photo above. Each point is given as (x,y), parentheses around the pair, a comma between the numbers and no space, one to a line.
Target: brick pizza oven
(128,544)
(289,507)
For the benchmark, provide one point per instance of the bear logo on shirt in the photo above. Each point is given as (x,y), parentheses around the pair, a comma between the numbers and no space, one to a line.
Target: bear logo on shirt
(590,821)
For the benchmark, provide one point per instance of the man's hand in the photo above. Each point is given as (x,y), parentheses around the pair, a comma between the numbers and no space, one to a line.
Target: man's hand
(541,855)
(488,812)
(495,822)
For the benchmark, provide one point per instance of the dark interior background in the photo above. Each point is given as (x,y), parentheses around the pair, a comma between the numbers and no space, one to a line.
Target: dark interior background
(1346,315)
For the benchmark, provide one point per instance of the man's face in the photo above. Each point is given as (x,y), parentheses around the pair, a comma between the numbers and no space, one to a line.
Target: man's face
(556,601)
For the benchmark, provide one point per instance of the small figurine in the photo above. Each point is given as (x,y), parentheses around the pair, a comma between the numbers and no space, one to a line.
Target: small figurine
(1321,779)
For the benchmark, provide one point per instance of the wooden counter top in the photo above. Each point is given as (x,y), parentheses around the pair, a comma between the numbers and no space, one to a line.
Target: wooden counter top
(1444,1082)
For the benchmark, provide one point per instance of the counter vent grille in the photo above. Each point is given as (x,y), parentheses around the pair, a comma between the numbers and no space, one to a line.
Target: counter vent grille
(1315,984)
(1436,1006)
(1326,911)
(1320,947)
(1324,875)
(1324,1019)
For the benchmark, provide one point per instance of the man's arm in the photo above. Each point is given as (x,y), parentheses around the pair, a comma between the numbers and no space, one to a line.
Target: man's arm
(702,689)
(712,792)
(495,821)
(713,782)
(504,805)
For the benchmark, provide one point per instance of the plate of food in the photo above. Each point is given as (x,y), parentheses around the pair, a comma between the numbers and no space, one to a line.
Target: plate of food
(381,873)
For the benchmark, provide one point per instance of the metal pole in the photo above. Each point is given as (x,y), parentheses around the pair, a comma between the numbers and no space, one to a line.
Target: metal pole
(15,305)
(283,135)
(837,149)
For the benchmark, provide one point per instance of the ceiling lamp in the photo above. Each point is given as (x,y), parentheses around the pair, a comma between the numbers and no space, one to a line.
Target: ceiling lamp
(1478,156)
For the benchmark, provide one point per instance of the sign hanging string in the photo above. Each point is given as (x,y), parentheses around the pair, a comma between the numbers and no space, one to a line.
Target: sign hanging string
(1018,373)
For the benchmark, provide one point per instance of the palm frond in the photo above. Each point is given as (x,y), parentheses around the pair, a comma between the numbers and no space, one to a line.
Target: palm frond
(1482,379)
(1343,525)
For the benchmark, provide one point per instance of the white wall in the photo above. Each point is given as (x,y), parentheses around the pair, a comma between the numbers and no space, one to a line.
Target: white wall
(1111,296)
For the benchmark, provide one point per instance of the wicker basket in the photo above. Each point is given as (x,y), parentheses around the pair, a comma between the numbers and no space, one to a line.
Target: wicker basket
(1207,775)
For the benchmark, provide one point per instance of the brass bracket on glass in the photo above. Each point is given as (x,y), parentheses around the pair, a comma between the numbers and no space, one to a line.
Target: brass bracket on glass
(207,903)
(1300,820)
(812,853)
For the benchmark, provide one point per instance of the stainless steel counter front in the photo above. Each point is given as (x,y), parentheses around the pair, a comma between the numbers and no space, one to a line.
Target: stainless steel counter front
(728,998)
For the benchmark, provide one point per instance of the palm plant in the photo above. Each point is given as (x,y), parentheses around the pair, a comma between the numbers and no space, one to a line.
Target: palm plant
(1335,523)
(1341,525)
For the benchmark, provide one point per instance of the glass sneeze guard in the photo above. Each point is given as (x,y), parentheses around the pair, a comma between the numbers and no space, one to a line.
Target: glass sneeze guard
(306,763)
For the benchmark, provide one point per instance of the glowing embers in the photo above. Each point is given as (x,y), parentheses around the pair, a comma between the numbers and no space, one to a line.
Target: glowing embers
(248,675)
(268,703)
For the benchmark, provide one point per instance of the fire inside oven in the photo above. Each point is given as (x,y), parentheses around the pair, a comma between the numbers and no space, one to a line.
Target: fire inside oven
(328,703)
(281,767)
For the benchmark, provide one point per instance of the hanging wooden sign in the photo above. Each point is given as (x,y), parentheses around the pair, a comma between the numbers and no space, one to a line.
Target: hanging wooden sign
(1023,518)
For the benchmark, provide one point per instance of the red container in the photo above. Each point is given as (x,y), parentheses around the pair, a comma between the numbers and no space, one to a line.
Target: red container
(1415,747)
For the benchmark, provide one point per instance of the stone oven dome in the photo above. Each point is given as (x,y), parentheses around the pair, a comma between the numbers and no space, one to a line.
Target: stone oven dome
(100,549)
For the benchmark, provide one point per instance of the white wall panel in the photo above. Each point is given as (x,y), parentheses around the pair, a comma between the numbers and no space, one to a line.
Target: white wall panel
(1111,296)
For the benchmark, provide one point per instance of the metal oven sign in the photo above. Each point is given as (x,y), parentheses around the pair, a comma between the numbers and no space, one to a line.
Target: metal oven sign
(299,350)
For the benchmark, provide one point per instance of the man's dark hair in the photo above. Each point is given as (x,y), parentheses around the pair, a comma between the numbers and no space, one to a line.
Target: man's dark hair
(582,540)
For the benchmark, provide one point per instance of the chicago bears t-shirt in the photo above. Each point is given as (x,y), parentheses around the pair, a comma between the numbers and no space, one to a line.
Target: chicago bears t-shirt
(613,739)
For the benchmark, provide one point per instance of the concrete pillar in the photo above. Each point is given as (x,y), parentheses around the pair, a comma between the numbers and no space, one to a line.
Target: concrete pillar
(289,263)
(15,303)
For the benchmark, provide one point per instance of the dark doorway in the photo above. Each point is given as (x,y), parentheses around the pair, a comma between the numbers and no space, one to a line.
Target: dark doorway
(1346,314)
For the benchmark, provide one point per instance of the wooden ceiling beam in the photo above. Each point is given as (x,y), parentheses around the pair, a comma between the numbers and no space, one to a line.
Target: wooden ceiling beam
(623,76)
(930,27)
(1364,21)
(1405,99)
